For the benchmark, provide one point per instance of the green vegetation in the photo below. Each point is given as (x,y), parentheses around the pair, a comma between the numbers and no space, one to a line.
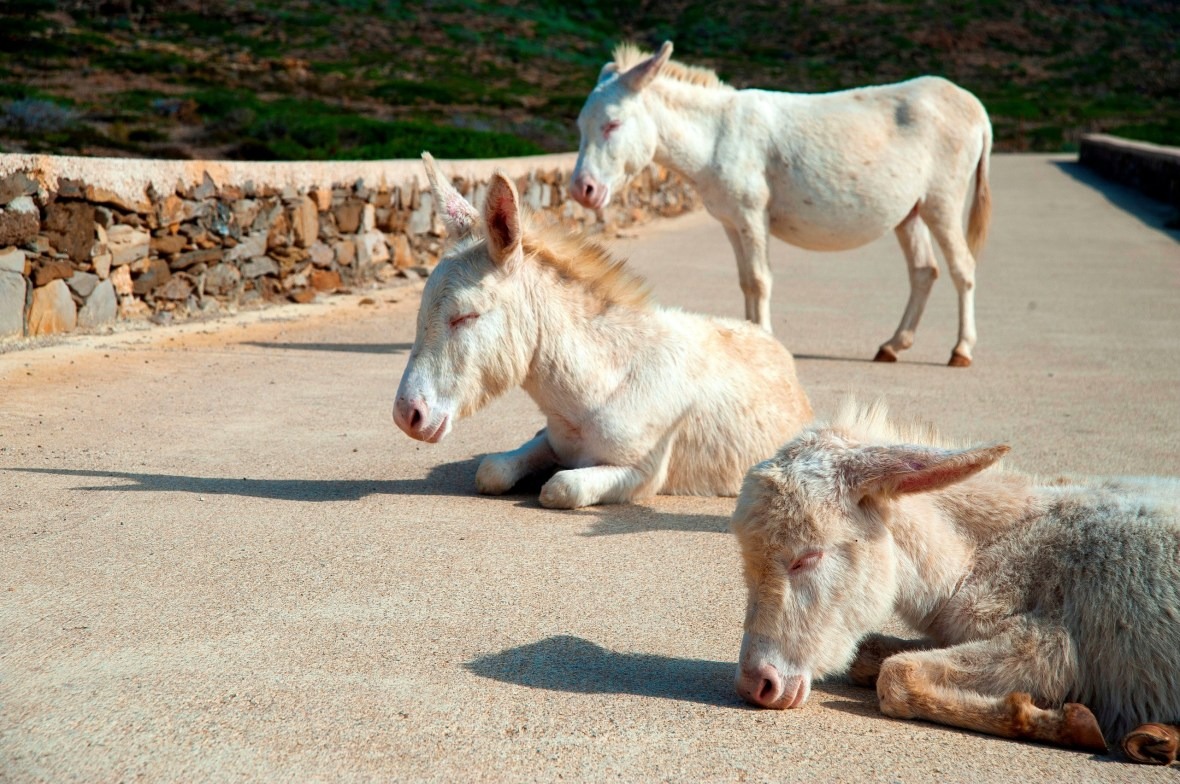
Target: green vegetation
(304,79)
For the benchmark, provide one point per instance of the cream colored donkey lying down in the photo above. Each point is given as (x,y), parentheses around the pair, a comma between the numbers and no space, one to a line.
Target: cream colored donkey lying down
(638,399)
(1051,611)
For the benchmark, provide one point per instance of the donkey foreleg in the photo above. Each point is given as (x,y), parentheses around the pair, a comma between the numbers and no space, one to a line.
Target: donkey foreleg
(750,238)
(498,473)
(972,686)
(579,487)
(873,652)
(1153,744)
(914,238)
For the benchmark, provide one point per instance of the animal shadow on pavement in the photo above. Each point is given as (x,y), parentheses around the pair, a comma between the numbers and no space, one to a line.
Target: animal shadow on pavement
(634,519)
(447,479)
(572,664)
(355,348)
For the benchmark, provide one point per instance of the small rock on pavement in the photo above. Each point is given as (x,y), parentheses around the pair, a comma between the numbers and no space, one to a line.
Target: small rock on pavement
(52,310)
(101,306)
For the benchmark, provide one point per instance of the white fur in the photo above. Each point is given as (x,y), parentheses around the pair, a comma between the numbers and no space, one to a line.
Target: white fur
(638,399)
(826,172)
(1069,591)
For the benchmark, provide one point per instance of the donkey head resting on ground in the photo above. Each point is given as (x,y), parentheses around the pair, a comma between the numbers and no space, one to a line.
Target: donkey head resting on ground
(472,342)
(618,135)
(822,568)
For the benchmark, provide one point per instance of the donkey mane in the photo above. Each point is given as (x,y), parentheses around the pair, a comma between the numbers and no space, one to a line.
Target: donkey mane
(628,55)
(870,423)
(575,258)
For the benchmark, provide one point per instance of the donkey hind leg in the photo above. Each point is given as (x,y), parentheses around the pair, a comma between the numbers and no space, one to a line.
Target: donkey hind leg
(1153,744)
(923,270)
(978,686)
(750,239)
(945,222)
(498,473)
(872,653)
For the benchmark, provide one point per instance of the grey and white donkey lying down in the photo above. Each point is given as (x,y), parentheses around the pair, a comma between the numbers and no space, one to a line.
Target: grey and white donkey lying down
(638,399)
(1051,611)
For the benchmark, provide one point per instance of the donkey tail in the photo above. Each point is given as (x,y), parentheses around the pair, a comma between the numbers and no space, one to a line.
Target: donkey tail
(981,205)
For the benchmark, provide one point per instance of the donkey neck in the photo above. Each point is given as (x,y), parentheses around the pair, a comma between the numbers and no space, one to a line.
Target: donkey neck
(688,121)
(584,347)
(939,533)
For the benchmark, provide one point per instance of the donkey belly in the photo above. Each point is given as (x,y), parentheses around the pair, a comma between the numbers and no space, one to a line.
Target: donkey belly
(838,215)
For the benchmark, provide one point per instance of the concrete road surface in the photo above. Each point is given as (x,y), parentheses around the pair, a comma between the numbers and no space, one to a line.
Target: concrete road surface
(220,561)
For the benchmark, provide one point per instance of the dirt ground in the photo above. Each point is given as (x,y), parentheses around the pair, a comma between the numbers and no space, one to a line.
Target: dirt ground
(220,560)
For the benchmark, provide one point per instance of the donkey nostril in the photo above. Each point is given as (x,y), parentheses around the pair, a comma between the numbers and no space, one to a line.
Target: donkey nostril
(589,189)
(415,417)
(766,691)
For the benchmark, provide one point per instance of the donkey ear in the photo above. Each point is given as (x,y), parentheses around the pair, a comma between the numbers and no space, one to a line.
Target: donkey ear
(457,213)
(895,470)
(641,75)
(607,70)
(501,215)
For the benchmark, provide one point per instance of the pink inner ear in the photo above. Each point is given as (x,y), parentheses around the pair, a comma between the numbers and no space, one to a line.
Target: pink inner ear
(925,479)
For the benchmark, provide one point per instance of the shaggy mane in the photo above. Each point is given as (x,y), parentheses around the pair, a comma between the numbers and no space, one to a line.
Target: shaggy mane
(628,55)
(575,258)
(871,424)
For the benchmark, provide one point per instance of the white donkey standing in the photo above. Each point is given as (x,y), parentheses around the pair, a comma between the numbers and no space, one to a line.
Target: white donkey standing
(830,171)
(638,399)
(1051,611)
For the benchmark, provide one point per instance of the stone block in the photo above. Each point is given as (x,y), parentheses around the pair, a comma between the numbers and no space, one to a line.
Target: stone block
(18,223)
(12,304)
(325,280)
(371,249)
(259,266)
(15,185)
(222,279)
(169,244)
(70,228)
(156,275)
(82,283)
(12,260)
(102,307)
(49,270)
(305,222)
(127,244)
(53,310)
(348,216)
(121,280)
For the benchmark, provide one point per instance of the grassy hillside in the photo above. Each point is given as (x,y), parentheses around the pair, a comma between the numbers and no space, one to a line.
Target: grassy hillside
(266,79)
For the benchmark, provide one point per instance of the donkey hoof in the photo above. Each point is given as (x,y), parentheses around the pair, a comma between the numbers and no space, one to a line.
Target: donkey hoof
(959,360)
(885,354)
(1081,730)
(1152,744)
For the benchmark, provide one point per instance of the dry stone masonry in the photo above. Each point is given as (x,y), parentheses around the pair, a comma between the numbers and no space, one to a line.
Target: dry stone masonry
(82,251)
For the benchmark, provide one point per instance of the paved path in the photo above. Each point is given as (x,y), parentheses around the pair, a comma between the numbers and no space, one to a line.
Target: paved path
(219,559)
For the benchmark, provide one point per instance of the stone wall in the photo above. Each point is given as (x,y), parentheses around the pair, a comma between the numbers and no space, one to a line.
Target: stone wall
(87,241)
(1150,168)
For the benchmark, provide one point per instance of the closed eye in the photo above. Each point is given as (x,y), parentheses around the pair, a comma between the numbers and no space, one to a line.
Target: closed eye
(610,128)
(465,318)
(805,562)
